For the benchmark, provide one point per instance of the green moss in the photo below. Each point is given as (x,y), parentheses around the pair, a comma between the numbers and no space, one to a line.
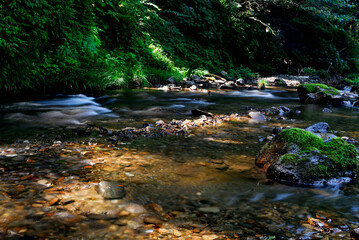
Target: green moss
(290,158)
(339,156)
(317,87)
(320,171)
(306,141)
(342,154)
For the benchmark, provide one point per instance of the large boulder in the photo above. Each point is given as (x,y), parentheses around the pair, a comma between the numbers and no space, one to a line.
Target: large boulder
(319,94)
(298,157)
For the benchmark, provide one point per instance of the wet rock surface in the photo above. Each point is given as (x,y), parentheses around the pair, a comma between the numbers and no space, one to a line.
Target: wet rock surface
(309,158)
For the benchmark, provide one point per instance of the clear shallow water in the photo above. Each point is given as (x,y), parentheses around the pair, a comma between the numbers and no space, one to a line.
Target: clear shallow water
(236,143)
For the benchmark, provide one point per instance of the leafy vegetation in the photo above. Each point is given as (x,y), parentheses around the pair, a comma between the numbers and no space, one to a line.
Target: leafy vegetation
(77,45)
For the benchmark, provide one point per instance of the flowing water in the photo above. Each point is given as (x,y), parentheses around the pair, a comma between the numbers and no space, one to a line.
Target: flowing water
(213,166)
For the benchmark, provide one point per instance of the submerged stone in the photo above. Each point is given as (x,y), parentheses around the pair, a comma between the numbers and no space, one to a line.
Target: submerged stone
(111,190)
(296,156)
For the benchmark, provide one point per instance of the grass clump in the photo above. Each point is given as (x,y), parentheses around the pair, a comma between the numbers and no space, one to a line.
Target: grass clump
(317,87)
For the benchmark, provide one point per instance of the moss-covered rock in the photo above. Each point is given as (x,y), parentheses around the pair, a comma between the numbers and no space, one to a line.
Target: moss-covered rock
(319,94)
(298,157)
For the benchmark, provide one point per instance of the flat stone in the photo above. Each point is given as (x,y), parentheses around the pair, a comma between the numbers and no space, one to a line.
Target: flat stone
(152,220)
(111,190)
(257,116)
(134,208)
(320,127)
(209,209)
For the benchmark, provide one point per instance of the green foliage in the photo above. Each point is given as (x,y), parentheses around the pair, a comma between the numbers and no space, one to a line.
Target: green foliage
(317,87)
(352,79)
(262,84)
(242,72)
(322,74)
(309,71)
(77,45)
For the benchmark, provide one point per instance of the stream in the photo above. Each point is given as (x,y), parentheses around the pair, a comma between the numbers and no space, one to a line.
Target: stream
(201,186)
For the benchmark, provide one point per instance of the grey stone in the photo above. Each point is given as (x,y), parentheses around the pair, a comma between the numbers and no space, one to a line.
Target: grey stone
(320,127)
(327,110)
(240,81)
(257,116)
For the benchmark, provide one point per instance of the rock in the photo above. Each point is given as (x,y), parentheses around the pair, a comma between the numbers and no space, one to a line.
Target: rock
(225,86)
(321,127)
(327,110)
(193,87)
(152,220)
(134,208)
(217,161)
(251,88)
(280,82)
(240,82)
(171,80)
(299,157)
(198,113)
(111,190)
(195,78)
(223,73)
(319,94)
(209,209)
(261,139)
(276,130)
(177,233)
(249,108)
(257,116)
(355,234)
(210,237)
(189,83)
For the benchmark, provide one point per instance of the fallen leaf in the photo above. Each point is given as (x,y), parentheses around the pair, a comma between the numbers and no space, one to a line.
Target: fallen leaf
(60,179)
(53,201)
(30,160)
(87,167)
(43,149)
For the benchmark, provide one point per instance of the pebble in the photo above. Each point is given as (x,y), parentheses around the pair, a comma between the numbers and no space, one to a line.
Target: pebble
(209,209)
(129,175)
(152,220)
(134,208)
(177,233)
(217,161)
(210,237)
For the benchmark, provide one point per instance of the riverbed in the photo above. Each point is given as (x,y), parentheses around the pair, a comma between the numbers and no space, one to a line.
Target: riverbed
(203,185)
